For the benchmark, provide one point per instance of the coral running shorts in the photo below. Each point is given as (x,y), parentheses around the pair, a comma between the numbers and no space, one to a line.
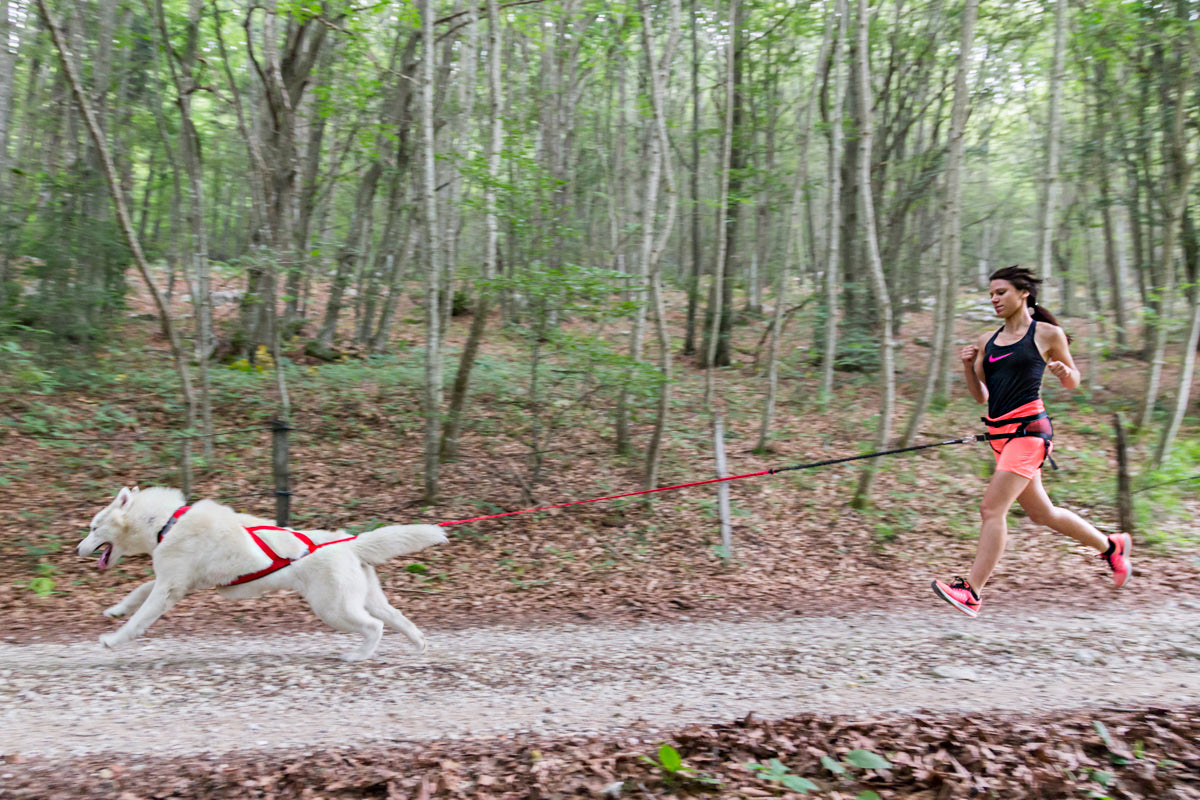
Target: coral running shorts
(1024,455)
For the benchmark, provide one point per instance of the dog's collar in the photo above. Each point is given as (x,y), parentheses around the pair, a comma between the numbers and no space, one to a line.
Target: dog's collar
(171,522)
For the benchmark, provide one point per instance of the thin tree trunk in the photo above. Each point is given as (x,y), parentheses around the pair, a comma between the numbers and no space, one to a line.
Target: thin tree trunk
(8,60)
(716,294)
(1050,189)
(1111,263)
(432,397)
(1178,180)
(189,148)
(640,275)
(1183,392)
(689,342)
(491,250)
(883,303)
(652,248)
(949,263)
(805,127)
(126,224)
(834,223)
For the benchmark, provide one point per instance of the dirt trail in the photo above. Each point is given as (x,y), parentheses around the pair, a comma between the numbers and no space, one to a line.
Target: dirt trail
(238,692)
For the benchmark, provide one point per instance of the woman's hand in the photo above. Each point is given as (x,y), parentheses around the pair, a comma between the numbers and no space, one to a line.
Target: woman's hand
(968,355)
(1059,370)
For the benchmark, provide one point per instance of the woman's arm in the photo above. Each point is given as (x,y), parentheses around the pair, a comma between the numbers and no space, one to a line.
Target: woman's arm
(972,359)
(1057,354)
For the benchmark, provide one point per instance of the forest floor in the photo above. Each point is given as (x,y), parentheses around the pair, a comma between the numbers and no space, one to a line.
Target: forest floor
(566,645)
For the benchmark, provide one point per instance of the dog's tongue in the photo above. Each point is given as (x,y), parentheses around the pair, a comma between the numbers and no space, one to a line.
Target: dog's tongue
(104,554)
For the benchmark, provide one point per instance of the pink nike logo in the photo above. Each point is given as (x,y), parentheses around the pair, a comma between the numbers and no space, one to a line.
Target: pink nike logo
(997,358)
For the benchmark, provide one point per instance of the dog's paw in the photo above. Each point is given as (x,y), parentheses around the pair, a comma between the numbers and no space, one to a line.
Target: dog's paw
(110,640)
(114,612)
(354,655)
(419,647)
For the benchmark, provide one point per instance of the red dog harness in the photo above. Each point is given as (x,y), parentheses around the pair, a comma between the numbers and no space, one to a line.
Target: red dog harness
(278,562)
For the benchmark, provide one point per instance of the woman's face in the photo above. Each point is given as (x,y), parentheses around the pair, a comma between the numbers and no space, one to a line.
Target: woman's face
(1006,298)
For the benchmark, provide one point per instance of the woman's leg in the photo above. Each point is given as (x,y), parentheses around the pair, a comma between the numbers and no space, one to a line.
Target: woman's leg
(1002,492)
(1042,512)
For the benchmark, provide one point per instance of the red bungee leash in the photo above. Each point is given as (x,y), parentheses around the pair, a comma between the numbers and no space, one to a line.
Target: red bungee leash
(979,437)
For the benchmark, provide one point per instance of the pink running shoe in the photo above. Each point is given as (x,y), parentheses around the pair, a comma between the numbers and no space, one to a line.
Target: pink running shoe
(958,594)
(1118,557)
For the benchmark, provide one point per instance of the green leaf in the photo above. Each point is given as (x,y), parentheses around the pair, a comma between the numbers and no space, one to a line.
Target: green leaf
(1103,731)
(42,587)
(867,795)
(833,765)
(865,759)
(669,758)
(417,569)
(798,784)
(1103,778)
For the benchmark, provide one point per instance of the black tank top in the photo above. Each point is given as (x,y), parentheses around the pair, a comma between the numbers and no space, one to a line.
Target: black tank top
(1013,372)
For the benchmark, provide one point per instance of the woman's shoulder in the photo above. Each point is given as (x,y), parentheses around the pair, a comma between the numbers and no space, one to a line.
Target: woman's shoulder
(1048,331)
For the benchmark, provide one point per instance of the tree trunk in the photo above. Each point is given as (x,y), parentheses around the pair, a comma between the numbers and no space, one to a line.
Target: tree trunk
(834,221)
(1183,392)
(491,250)
(432,251)
(689,341)
(1050,190)
(883,303)
(717,295)
(126,223)
(949,264)
(8,60)
(1103,159)
(1174,199)
(652,247)
(719,327)
(793,250)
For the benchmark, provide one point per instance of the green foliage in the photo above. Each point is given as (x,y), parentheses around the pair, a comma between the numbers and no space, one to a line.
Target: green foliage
(778,772)
(1161,497)
(833,765)
(43,584)
(865,759)
(21,374)
(671,764)
(74,289)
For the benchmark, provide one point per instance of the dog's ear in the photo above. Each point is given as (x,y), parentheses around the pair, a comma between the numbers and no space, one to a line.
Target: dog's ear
(124,497)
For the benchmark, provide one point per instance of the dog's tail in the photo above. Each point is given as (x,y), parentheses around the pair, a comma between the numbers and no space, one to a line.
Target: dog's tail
(377,546)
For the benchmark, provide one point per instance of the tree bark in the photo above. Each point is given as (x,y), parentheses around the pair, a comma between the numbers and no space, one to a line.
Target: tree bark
(432,253)
(834,222)
(1174,199)
(883,303)
(1050,190)
(949,265)
(652,247)
(126,224)
(793,249)
(720,282)
(491,248)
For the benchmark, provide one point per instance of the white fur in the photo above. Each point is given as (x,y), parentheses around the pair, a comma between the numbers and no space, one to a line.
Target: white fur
(209,546)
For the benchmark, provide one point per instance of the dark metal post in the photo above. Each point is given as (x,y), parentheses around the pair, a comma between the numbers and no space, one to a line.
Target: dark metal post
(283,496)
(1124,496)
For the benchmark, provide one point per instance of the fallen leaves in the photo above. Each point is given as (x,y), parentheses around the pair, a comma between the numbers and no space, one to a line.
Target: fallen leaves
(1065,755)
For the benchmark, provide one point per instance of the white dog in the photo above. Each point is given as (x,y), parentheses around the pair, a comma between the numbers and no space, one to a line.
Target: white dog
(208,544)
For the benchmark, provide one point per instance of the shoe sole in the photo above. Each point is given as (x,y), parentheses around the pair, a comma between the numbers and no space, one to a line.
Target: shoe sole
(970,612)
(1127,546)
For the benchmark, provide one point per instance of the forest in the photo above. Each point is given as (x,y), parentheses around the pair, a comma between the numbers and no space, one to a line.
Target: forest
(479,259)
(550,159)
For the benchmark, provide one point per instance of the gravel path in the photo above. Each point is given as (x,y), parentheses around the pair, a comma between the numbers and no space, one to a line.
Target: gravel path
(236,692)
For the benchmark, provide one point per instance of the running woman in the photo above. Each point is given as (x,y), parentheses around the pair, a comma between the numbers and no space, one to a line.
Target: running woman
(1004,369)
